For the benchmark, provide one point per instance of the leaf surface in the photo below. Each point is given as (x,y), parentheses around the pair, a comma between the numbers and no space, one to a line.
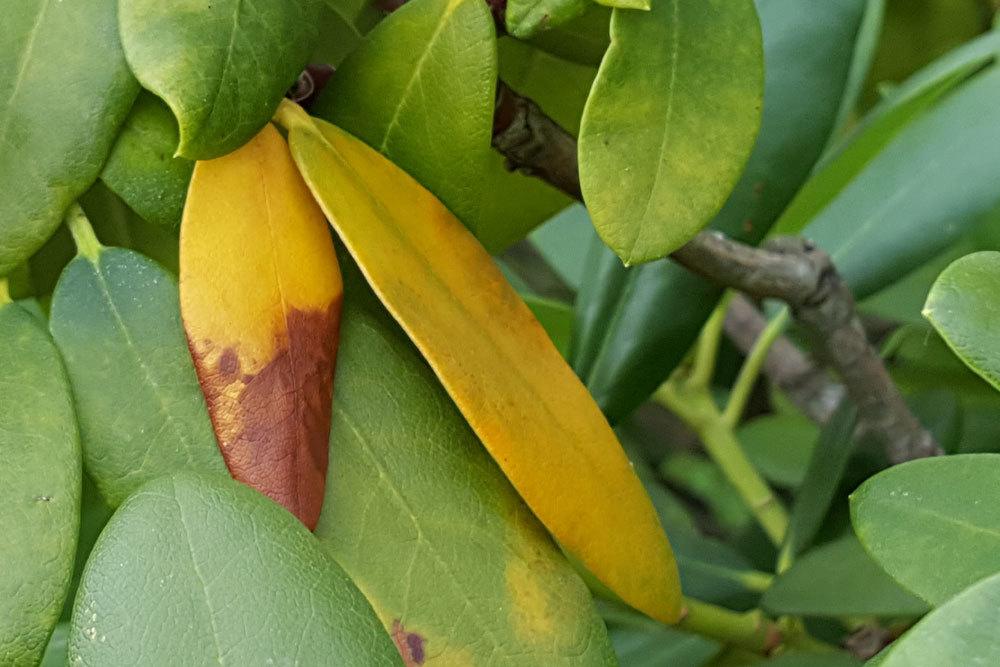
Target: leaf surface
(526,18)
(260,294)
(920,520)
(116,321)
(40,478)
(222,66)
(670,122)
(522,400)
(961,306)
(206,570)
(426,524)
(65,89)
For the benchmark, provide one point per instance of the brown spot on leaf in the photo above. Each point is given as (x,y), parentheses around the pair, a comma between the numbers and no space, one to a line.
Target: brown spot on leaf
(409,644)
(273,426)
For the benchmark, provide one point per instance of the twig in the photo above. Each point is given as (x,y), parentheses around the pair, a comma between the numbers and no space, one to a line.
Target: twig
(789,269)
(523,257)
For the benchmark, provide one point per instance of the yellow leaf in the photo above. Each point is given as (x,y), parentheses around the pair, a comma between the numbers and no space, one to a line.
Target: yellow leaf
(495,360)
(260,299)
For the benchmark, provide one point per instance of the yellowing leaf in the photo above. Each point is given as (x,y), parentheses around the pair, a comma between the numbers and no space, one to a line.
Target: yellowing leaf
(495,360)
(260,299)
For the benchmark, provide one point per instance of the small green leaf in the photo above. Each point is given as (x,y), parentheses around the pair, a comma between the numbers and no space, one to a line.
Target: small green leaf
(583,39)
(426,523)
(66,89)
(40,478)
(932,524)
(116,320)
(57,651)
(670,122)
(195,570)
(420,90)
(839,579)
(626,4)
(222,66)
(142,169)
(961,306)
(779,446)
(526,18)
(960,632)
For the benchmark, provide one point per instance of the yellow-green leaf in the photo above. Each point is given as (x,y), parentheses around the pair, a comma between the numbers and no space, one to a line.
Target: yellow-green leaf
(260,299)
(495,360)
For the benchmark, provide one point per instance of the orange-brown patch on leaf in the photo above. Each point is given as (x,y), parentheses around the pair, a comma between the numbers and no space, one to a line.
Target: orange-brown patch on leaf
(410,645)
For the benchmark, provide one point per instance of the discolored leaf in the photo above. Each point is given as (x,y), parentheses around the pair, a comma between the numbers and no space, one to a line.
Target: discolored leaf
(424,522)
(116,321)
(961,307)
(221,66)
(960,632)
(519,396)
(670,122)
(923,519)
(142,169)
(66,89)
(40,478)
(420,90)
(260,298)
(206,570)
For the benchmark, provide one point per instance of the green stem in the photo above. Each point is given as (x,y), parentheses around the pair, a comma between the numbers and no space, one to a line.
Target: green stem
(696,407)
(707,348)
(752,366)
(86,241)
(751,630)
(4,292)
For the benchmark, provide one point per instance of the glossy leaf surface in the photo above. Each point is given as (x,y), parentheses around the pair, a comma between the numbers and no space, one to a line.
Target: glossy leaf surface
(962,307)
(507,378)
(670,122)
(957,633)
(420,90)
(260,294)
(221,66)
(206,570)
(142,169)
(922,519)
(426,524)
(40,478)
(625,347)
(66,89)
(116,321)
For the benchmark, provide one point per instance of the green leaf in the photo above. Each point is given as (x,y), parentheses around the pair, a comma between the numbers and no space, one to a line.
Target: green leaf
(222,66)
(40,478)
(961,308)
(526,18)
(142,168)
(66,89)
(556,317)
(779,446)
(931,523)
(922,192)
(116,320)
(670,122)
(427,525)
(420,90)
(822,478)
(641,642)
(57,650)
(626,4)
(583,39)
(194,570)
(839,579)
(960,632)
(625,347)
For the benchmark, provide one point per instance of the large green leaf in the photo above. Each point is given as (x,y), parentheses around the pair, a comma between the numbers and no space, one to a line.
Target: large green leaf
(116,319)
(839,579)
(962,307)
(625,347)
(960,632)
(196,570)
(453,562)
(932,524)
(142,168)
(525,18)
(40,478)
(66,89)
(670,122)
(222,66)
(420,90)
